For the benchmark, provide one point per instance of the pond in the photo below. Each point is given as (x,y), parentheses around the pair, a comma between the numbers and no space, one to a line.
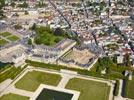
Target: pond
(4,64)
(48,94)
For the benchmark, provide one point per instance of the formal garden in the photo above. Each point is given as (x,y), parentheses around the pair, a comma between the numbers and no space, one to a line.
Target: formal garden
(9,72)
(48,36)
(7,37)
(37,78)
(13,38)
(129,90)
(3,42)
(12,96)
(89,89)
(5,34)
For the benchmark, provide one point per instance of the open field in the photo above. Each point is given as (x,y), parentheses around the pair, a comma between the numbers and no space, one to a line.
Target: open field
(130,89)
(5,34)
(89,89)
(33,79)
(3,42)
(11,96)
(13,38)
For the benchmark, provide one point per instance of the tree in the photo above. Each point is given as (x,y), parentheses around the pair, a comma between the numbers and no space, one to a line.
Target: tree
(24,5)
(132,17)
(2,3)
(115,59)
(13,4)
(58,32)
(34,27)
(26,13)
(88,3)
(98,69)
(108,70)
(127,59)
(1,14)
(30,42)
(17,26)
(41,4)
(57,40)
(108,12)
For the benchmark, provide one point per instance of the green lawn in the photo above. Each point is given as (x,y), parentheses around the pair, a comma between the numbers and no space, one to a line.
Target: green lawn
(46,36)
(12,96)
(32,80)
(89,90)
(3,42)
(5,34)
(130,89)
(13,38)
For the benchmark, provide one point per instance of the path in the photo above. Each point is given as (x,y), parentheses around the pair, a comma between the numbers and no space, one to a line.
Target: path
(5,39)
(5,70)
(64,81)
(14,90)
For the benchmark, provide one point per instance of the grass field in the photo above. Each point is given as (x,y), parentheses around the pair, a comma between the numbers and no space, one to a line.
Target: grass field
(5,34)
(11,96)
(3,42)
(130,89)
(13,38)
(33,79)
(89,90)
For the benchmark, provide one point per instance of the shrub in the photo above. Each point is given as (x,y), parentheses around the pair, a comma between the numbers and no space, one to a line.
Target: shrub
(116,88)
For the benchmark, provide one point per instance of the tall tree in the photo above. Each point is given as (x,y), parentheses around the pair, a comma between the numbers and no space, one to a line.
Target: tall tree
(127,60)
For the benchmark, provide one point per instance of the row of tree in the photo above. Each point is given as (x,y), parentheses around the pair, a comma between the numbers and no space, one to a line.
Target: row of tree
(2,4)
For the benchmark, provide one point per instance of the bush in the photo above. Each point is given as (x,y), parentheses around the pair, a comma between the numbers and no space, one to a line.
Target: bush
(24,5)
(11,73)
(79,71)
(29,41)
(26,13)
(126,87)
(116,88)
(17,26)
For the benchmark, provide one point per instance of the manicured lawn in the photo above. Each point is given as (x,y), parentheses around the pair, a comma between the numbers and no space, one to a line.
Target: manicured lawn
(5,34)
(12,96)
(13,38)
(3,42)
(32,80)
(89,90)
(130,89)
